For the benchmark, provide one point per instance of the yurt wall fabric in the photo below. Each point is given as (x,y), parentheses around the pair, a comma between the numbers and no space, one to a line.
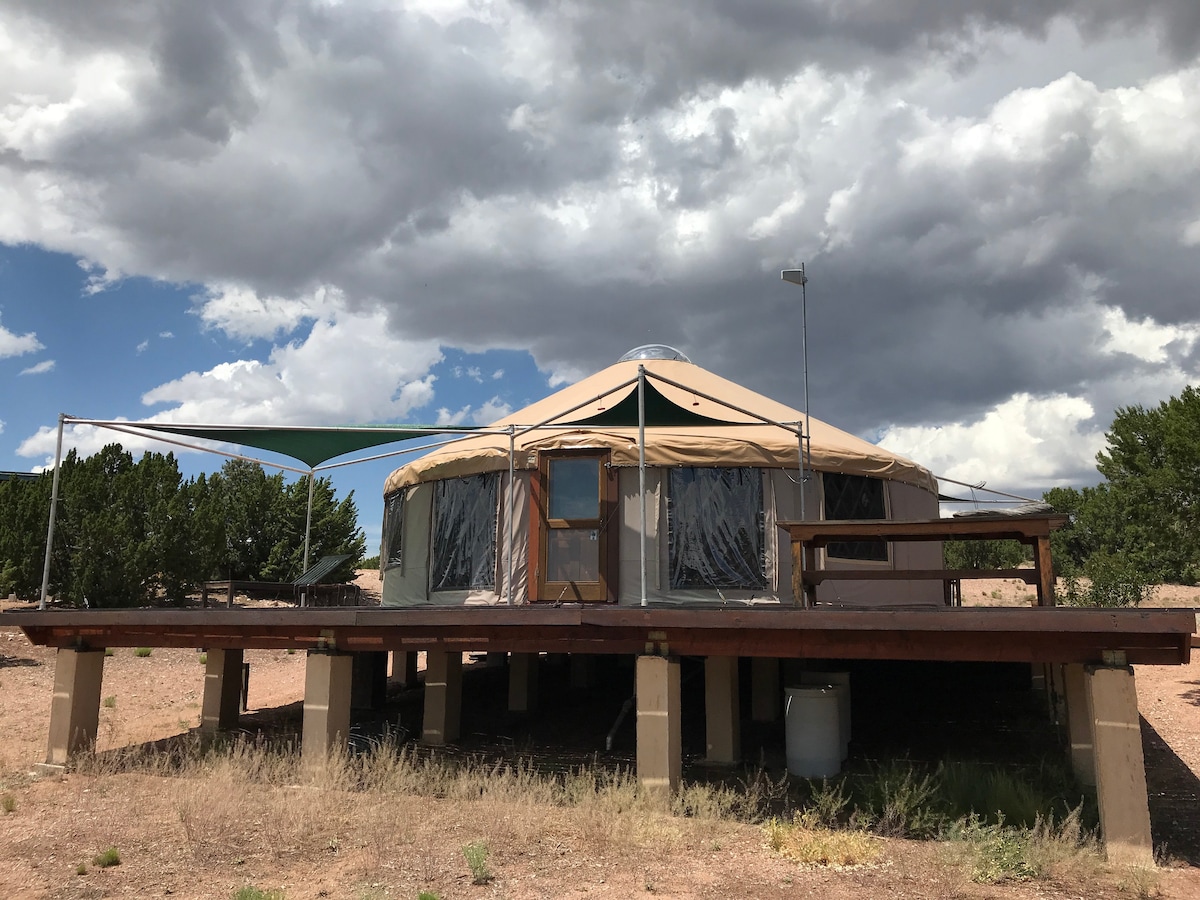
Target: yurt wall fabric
(409,584)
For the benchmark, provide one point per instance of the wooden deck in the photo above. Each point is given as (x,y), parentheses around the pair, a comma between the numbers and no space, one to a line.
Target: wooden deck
(1024,634)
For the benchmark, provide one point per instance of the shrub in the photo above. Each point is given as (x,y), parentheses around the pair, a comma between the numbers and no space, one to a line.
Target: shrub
(142,652)
(110,702)
(1112,582)
(476,854)
(250,892)
(8,803)
(107,858)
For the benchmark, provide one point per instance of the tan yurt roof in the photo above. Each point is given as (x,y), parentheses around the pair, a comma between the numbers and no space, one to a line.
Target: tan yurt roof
(693,418)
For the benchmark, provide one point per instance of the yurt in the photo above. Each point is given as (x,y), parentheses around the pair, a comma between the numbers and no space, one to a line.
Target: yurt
(652,482)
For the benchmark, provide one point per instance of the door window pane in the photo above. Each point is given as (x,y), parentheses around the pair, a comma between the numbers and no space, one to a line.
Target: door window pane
(573,554)
(575,488)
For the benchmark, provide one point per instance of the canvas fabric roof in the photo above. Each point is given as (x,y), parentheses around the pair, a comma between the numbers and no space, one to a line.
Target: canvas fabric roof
(683,428)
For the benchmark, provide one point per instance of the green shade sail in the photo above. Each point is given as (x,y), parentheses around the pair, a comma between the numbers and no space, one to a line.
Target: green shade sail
(312,445)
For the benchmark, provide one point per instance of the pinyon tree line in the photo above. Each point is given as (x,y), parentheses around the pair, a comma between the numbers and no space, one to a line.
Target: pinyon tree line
(1139,527)
(129,533)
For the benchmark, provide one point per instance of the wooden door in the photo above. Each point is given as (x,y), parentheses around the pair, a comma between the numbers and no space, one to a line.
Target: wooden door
(574,502)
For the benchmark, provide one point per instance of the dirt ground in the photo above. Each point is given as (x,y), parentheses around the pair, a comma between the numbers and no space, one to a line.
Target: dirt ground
(190,839)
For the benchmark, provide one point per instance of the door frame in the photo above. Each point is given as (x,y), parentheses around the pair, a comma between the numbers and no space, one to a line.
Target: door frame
(603,591)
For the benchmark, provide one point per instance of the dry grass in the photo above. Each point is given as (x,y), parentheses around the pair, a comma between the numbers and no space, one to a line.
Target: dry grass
(811,844)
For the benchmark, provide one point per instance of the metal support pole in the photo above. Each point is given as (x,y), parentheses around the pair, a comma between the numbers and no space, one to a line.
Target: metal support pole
(512,512)
(53,512)
(642,471)
(307,532)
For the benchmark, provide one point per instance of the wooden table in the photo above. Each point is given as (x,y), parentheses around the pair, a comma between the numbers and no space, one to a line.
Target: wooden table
(1033,530)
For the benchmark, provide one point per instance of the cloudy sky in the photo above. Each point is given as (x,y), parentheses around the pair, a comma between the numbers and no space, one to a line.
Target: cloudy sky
(323,212)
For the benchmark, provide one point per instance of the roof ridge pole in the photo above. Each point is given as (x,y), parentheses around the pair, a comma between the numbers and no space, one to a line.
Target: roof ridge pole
(512,512)
(62,417)
(307,532)
(641,388)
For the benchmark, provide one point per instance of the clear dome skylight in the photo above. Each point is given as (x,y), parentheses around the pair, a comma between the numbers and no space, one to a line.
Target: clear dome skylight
(654,351)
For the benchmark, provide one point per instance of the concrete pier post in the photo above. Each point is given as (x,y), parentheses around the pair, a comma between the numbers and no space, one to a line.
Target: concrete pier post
(722,714)
(765,691)
(523,682)
(443,697)
(75,709)
(1119,765)
(659,732)
(328,677)
(404,668)
(1079,725)
(221,705)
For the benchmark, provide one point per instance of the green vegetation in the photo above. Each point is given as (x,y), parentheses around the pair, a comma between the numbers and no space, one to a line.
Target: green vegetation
(8,803)
(110,702)
(1141,525)
(371,562)
(81,869)
(107,858)
(131,533)
(250,892)
(476,855)
(984,554)
(142,652)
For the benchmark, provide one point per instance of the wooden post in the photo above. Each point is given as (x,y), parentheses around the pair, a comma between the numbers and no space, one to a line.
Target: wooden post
(1045,569)
(75,709)
(659,732)
(722,715)
(443,697)
(1119,765)
(221,705)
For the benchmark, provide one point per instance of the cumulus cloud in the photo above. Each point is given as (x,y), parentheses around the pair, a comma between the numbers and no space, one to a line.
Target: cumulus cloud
(484,414)
(986,239)
(12,344)
(346,371)
(46,365)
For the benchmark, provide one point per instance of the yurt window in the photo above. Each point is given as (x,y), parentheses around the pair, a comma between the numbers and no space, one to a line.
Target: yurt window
(391,554)
(464,533)
(855,497)
(715,522)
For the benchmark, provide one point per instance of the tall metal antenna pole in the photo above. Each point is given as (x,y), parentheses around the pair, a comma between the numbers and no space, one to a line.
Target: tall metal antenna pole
(797,276)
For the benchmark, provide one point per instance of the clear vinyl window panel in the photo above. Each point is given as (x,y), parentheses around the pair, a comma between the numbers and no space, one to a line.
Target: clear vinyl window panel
(464,533)
(391,553)
(855,497)
(715,524)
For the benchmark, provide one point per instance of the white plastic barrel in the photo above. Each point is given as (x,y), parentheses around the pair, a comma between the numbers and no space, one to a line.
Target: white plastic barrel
(812,734)
(840,680)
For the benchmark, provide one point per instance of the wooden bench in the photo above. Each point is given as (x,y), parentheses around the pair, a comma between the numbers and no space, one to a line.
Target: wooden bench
(1033,530)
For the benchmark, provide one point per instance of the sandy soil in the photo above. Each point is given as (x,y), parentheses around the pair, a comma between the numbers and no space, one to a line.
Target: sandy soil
(189,839)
